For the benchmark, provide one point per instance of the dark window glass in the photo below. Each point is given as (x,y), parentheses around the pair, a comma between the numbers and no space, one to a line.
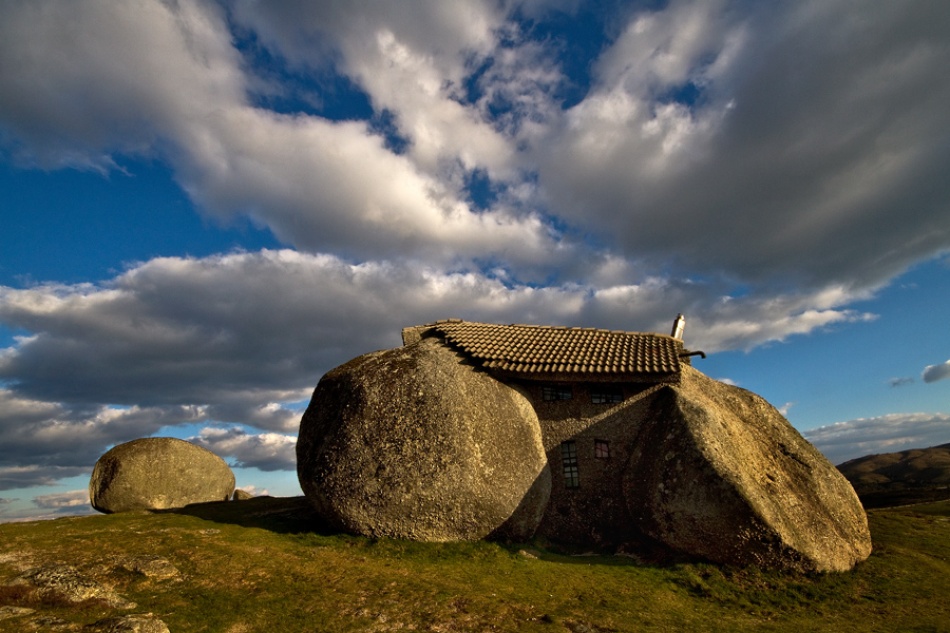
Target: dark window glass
(572,477)
(601,449)
(606,395)
(556,392)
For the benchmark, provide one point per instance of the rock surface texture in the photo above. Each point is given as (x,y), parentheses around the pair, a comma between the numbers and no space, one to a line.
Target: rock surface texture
(415,443)
(425,442)
(67,583)
(158,473)
(146,623)
(719,473)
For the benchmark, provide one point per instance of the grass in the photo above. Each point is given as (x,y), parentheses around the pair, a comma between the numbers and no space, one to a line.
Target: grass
(259,566)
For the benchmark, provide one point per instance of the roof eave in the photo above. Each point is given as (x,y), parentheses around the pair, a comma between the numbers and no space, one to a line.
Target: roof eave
(575,377)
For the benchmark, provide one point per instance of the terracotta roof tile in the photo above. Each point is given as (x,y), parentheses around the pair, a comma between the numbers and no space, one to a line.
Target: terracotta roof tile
(537,349)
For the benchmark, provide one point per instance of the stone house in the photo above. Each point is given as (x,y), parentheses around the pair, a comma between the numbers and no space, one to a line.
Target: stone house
(582,436)
(585,385)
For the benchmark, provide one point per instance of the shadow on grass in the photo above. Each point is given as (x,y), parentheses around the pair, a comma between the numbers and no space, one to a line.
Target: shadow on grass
(283,515)
(902,495)
(643,552)
(295,515)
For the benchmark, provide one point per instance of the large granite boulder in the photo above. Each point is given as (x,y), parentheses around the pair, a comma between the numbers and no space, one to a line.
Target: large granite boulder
(717,472)
(158,473)
(416,443)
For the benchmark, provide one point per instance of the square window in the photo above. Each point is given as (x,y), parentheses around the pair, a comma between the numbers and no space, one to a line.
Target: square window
(556,392)
(601,449)
(572,477)
(606,395)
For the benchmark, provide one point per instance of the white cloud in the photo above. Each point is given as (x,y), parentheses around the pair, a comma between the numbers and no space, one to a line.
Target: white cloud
(237,333)
(240,338)
(82,80)
(25,474)
(933,373)
(50,506)
(667,48)
(41,442)
(786,144)
(63,501)
(411,58)
(758,168)
(254,491)
(264,451)
(884,434)
(322,185)
(180,92)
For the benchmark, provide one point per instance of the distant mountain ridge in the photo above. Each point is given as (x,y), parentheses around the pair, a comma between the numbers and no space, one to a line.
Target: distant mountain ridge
(912,476)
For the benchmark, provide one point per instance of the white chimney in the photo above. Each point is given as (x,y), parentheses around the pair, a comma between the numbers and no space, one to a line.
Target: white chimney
(678,326)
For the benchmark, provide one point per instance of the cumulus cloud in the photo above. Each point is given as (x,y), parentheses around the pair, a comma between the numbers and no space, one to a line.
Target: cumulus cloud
(26,474)
(243,332)
(412,59)
(49,506)
(63,501)
(781,144)
(84,80)
(241,338)
(254,491)
(758,168)
(884,434)
(710,139)
(180,92)
(42,442)
(359,198)
(933,373)
(264,451)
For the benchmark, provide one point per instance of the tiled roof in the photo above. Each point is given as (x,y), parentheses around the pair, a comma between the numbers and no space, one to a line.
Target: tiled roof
(567,352)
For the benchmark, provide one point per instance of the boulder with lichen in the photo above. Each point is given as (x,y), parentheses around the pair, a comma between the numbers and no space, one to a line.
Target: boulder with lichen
(717,472)
(158,473)
(417,443)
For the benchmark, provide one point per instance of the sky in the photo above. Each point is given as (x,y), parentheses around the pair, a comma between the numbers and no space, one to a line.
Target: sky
(207,205)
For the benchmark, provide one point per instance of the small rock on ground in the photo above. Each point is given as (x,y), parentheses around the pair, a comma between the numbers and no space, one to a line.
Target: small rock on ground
(145,623)
(66,581)
(7,612)
(152,567)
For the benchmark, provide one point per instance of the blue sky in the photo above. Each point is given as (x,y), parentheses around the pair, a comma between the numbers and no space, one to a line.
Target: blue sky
(207,205)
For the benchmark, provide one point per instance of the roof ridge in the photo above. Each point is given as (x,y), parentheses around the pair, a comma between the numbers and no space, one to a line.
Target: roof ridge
(545,349)
(578,328)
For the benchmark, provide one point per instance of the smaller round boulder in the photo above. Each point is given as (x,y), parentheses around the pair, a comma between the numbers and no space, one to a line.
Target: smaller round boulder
(158,473)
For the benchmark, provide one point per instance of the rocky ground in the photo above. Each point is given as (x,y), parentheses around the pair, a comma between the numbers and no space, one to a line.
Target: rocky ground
(43,584)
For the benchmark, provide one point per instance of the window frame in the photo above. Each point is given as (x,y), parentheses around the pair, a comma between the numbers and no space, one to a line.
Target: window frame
(556,393)
(569,465)
(606,394)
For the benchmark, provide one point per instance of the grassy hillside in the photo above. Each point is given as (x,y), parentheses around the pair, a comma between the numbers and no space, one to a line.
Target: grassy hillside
(251,566)
(911,476)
